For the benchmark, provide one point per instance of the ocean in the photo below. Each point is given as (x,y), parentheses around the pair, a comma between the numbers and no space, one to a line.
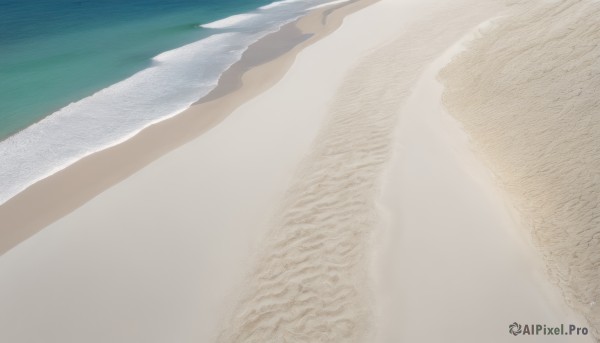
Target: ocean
(78,76)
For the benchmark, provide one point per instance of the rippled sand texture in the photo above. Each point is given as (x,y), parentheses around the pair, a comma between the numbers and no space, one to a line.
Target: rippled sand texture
(528,92)
(311,280)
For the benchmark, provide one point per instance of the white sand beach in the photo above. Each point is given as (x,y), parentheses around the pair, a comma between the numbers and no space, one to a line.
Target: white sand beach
(439,198)
(342,204)
(532,112)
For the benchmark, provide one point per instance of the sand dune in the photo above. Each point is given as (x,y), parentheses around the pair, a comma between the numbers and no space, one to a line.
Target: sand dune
(450,249)
(273,226)
(527,93)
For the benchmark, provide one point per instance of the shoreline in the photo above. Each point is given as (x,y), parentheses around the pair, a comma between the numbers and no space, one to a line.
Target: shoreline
(342,203)
(167,248)
(91,175)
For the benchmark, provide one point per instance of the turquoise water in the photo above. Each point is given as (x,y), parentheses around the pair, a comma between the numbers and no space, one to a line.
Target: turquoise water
(77,77)
(53,52)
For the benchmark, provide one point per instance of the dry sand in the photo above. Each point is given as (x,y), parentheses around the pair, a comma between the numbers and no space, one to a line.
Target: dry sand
(311,283)
(532,111)
(264,228)
(93,174)
(453,264)
(124,270)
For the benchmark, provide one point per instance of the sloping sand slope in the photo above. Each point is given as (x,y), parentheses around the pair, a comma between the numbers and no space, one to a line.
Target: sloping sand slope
(527,91)
(454,267)
(172,253)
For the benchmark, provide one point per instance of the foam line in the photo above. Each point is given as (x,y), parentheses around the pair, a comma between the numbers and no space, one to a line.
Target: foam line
(328,4)
(277,4)
(233,21)
(176,79)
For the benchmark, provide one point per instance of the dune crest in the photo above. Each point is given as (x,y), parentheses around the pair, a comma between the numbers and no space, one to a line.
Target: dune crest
(526,91)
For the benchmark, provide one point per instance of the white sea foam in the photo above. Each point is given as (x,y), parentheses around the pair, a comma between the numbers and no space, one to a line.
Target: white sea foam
(328,4)
(116,113)
(175,80)
(232,21)
(277,4)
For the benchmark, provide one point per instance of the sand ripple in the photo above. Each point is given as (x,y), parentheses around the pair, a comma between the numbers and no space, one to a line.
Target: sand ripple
(311,282)
(528,92)
(309,286)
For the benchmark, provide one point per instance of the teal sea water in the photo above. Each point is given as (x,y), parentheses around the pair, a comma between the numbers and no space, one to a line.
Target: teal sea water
(54,52)
(79,76)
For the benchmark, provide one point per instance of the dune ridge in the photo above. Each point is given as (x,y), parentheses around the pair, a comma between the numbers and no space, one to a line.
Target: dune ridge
(311,281)
(526,91)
